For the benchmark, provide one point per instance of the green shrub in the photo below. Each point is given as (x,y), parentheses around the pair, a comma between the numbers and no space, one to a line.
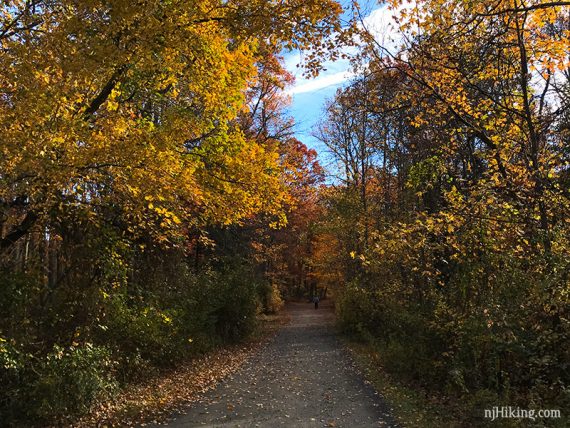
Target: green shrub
(492,328)
(138,332)
(271,300)
(137,314)
(233,304)
(71,379)
(12,379)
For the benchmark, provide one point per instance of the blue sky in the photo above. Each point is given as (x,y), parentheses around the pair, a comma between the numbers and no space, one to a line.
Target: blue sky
(308,96)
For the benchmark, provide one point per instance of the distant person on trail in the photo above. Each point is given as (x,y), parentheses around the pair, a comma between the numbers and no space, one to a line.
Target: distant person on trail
(316,302)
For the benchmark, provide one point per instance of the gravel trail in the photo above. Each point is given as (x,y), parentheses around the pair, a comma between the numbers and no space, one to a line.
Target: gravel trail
(302,378)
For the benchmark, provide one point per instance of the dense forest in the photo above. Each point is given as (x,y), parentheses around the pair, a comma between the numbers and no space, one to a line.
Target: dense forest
(154,199)
(452,213)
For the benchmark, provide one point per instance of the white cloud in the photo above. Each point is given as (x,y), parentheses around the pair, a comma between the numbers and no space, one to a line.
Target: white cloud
(379,22)
(308,95)
(292,59)
(321,82)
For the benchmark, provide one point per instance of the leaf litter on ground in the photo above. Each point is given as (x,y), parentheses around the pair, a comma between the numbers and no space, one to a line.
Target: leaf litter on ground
(167,393)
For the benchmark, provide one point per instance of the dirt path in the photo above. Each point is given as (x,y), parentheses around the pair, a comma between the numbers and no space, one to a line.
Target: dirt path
(302,378)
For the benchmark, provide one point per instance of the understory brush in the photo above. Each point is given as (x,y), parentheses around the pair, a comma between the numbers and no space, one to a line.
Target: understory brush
(479,341)
(127,328)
